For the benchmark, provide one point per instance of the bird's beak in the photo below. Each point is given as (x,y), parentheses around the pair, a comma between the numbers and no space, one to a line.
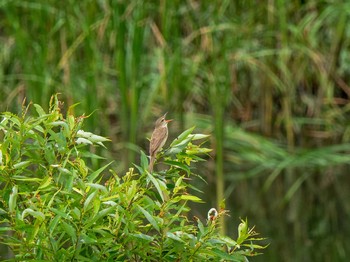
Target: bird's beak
(169,120)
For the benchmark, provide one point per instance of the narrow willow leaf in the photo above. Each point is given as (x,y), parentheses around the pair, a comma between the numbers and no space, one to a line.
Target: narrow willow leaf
(88,200)
(172,151)
(28,179)
(69,229)
(39,110)
(87,239)
(37,214)
(64,170)
(92,137)
(45,183)
(97,186)
(59,123)
(228,240)
(149,217)
(13,198)
(84,141)
(53,224)
(22,164)
(142,236)
(198,136)
(4,229)
(198,151)
(39,128)
(182,145)
(201,227)
(182,136)
(144,160)
(230,257)
(60,213)
(102,213)
(178,185)
(174,237)
(95,138)
(96,173)
(91,155)
(156,184)
(114,197)
(79,191)
(176,216)
(179,165)
(254,246)
(191,198)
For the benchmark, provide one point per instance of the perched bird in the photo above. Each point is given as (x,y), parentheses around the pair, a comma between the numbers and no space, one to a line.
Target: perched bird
(158,139)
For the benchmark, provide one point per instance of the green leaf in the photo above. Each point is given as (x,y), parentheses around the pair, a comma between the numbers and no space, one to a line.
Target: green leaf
(191,198)
(13,198)
(64,170)
(230,257)
(156,184)
(179,165)
(84,141)
(142,236)
(200,226)
(99,215)
(242,231)
(95,138)
(69,229)
(149,217)
(229,241)
(254,246)
(97,186)
(53,224)
(91,155)
(4,229)
(178,185)
(88,200)
(59,123)
(173,151)
(182,136)
(37,214)
(45,183)
(60,213)
(174,237)
(87,240)
(198,136)
(182,145)
(96,173)
(144,160)
(92,137)
(28,179)
(22,164)
(198,151)
(39,110)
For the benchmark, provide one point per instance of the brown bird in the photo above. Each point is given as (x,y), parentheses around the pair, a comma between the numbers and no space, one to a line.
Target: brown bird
(158,139)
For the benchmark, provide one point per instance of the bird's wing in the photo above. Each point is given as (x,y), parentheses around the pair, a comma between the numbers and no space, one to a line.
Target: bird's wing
(156,140)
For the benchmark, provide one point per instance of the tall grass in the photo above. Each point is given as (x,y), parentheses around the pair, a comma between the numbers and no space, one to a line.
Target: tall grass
(270,80)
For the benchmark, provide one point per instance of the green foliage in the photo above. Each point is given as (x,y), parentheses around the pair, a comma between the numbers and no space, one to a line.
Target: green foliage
(54,207)
(270,81)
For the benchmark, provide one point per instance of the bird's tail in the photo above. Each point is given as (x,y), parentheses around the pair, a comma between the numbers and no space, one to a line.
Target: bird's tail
(151,163)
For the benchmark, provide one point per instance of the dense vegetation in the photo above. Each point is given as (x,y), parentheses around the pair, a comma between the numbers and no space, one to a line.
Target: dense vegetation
(54,207)
(268,80)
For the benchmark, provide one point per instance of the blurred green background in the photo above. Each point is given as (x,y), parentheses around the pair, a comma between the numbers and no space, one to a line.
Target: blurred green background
(268,79)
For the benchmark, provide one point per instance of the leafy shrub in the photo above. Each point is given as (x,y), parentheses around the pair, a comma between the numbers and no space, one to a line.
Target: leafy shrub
(53,207)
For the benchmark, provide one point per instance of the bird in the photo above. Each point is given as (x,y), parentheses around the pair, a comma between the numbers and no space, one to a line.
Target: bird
(158,139)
